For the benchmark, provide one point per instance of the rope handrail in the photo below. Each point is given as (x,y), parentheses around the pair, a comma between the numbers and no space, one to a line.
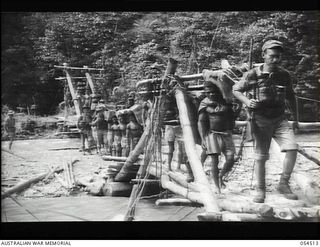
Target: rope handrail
(299,97)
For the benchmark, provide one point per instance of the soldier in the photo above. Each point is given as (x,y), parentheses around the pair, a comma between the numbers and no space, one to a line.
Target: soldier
(84,126)
(272,86)
(9,126)
(94,104)
(173,133)
(215,124)
(109,140)
(116,134)
(101,127)
(124,140)
(134,132)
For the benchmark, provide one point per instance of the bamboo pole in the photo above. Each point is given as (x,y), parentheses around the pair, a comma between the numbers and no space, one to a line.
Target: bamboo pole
(207,195)
(65,66)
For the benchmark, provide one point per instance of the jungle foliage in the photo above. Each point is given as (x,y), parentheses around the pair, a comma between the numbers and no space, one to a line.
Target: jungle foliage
(131,46)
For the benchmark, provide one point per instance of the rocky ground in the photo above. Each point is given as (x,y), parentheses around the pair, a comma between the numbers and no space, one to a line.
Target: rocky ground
(37,156)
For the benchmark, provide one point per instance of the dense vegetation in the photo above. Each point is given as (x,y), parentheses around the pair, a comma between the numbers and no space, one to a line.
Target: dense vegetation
(131,46)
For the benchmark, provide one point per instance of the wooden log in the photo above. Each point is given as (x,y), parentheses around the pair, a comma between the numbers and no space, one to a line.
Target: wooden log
(114,158)
(285,214)
(117,189)
(133,156)
(179,190)
(310,189)
(73,93)
(116,166)
(147,181)
(89,80)
(24,185)
(207,195)
(177,202)
(243,217)
(94,188)
(209,216)
(308,156)
(181,179)
(246,207)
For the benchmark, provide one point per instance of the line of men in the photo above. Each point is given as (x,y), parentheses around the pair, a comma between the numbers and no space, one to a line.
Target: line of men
(216,120)
(102,130)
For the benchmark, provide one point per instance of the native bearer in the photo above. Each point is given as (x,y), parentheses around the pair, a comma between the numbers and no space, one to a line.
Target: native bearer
(9,127)
(272,86)
(215,124)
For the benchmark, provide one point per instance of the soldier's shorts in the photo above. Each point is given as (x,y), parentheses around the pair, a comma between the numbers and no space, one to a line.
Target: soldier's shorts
(172,133)
(101,134)
(11,134)
(265,129)
(217,143)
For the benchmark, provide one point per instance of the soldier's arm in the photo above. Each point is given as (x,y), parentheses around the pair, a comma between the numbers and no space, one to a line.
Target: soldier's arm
(290,96)
(242,86)
(203,124)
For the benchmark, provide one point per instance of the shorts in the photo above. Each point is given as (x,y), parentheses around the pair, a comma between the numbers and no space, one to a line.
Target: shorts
(124,142)
(219,143)
(172,133)
(265,129)
(11,134)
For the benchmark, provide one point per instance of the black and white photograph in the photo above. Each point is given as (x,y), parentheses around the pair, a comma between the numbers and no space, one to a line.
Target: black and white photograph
(160,116)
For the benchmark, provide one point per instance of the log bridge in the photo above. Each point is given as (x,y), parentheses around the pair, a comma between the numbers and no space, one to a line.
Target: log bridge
(192,183)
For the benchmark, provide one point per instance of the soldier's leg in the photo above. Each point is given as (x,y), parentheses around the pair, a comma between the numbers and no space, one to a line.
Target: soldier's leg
(215,170)
(83,140)
(11,135)
(228,150)
(285,138)
(90,141)
(263,132)
(170,153)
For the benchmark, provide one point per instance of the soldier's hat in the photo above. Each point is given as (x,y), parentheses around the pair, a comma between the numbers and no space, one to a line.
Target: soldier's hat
(10,112)
(272,44)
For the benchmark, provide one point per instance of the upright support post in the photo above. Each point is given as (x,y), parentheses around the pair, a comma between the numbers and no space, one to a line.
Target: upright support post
(73,93)
(207,195)
(89,79)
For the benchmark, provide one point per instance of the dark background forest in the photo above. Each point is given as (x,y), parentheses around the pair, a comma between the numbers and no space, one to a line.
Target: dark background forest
(131,46)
